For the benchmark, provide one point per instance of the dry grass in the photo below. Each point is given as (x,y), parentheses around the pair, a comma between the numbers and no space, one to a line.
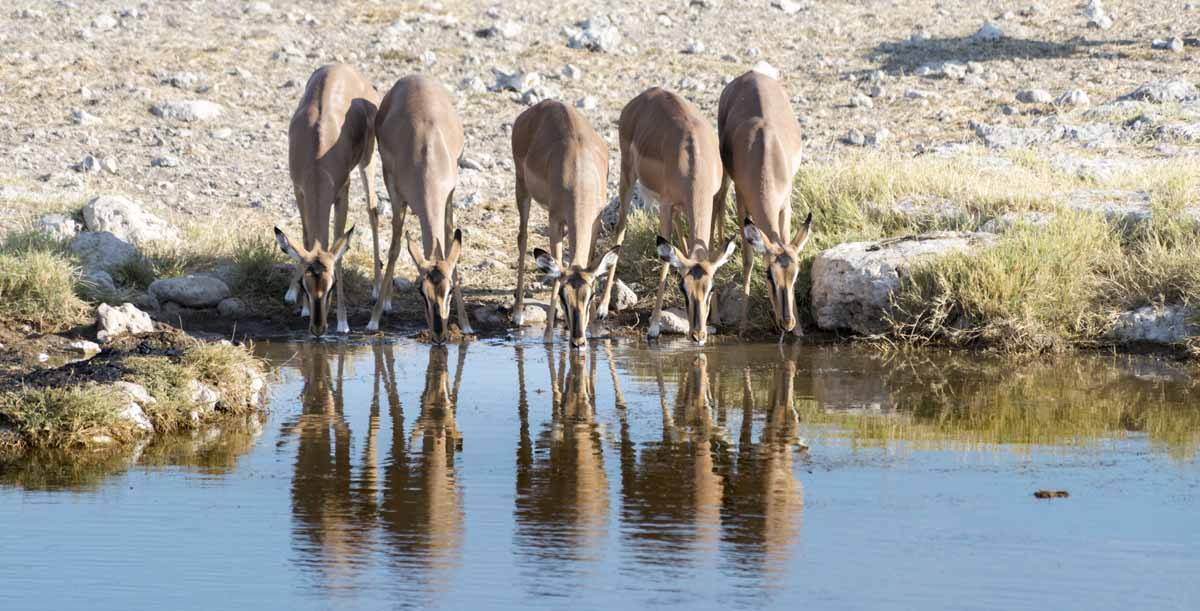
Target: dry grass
(77,416)
(38,283)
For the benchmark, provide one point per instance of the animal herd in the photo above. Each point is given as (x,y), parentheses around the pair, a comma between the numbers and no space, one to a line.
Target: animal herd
(560,162)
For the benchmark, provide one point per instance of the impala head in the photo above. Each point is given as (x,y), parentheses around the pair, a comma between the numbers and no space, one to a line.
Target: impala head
(783,264)
(435,278)
(317,277)
(576,288)
(696,274)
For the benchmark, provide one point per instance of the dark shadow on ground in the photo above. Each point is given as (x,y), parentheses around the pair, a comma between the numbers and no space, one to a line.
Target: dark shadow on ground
(906,56)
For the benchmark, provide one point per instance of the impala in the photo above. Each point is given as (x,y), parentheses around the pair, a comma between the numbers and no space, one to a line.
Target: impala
(331,133)
(420,142)
(668,147)
(761,151)
(562,163)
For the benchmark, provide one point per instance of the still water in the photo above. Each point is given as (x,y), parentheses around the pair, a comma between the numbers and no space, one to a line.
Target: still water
(505,475)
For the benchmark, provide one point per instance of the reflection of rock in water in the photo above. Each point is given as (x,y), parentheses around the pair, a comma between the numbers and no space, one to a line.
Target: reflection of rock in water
(562,489)
(339,502)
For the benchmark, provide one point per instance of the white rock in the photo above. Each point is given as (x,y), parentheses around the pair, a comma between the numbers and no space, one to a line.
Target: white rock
(694,47)
(1156,324)
(223,133)
(126,220)
(572,72)
(595,34)
(879,137)
(102,250)
(1159,92)
(764,68)
(1074,97)
(257,8)
(126,319)
(57,226)
(852,283)
(187,110)
(85,118)
(520,82)
(1034,96)
(988,32)
(534,313)
(104,22)
(136,392)
(787,6)
(587,102)
(190,291)
(136,415)
(1097,18)
(84,346)
(205,397)
(428,58)
(623,298)
(860,100)
(854,137)
(673,321)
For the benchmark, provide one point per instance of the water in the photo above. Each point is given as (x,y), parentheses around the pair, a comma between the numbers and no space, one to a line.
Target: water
(734,477)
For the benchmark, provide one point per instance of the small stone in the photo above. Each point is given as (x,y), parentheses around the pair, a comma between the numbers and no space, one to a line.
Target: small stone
(84,346)
(232,308)
(1175,45)
(587,102)
(127,220)
(126,319)
(673,321)
(469,163)
(187,110)
(1034,96)
(767,69)
(468,201)
(920,94)
(1097,18)
(787,6)
(854,137)
(861,101)
(988,32)
(879,137)
(428,58)
(166,161)
(623,297)
(694,47)
(88,165)
(257,8)
(1074,97)
(85,118)
(595,34)
(520,82)
(572,72)
(42,357)
(876,91)
(103,23)
(57,226)
(222,133)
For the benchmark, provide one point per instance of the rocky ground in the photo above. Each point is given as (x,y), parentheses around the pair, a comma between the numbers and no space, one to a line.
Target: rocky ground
(181,107)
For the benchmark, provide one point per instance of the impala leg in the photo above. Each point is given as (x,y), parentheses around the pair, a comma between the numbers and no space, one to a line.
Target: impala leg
(523,198)
(718,232)
(367,173)
(341,210)
(556,250)
(464,324)
(747,269)
(385,295)
(628,180)
(666,220)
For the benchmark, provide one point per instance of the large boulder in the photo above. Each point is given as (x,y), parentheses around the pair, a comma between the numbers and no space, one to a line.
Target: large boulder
(125,219)
(1163,91)
(190,291)
(101,250)
(852,283)
(114,321)
(1170,324)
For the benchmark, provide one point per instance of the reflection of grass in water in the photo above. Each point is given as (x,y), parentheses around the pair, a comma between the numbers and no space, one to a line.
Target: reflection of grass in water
(1035,405)
(212,450)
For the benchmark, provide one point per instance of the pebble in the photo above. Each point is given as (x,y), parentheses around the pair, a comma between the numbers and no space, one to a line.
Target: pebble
(1074,97)
(258,8)
(83,117)
(103,23)
(572,72)
(854,137)
(787,6)
(861,101)
(694,47)
(1034,96)
(428,58)
(587,102)
(1097,18)
(166,161)
(988,32)
(223,133)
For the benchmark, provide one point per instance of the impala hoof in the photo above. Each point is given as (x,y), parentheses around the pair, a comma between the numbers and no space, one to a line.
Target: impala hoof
(387,306)
(290,296)
(654,331)
(518,318)
(467,330)
(304,310)
(373,326)
(343,327)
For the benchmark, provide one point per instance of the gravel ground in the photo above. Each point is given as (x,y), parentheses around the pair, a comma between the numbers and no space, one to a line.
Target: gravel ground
(91,92)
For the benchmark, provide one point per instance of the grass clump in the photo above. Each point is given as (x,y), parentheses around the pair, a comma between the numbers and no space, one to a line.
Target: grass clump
(256,276)
(67,417)
(1036,289)
(38,281)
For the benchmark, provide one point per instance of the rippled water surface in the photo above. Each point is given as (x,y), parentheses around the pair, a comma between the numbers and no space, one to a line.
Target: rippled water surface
(502,475)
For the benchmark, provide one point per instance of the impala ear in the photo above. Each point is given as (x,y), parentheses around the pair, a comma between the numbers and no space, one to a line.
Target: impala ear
(455,248)
(757,240)
(547,264)
(286,245)
(415,252)
(342,245)
(723,256)
(608,260)
(802,236)
(669,254)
